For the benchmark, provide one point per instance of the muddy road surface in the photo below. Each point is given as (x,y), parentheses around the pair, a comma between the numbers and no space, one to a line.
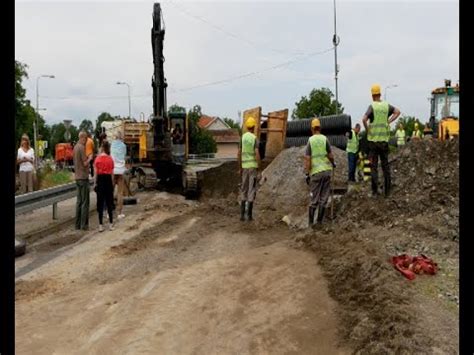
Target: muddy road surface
(174,277)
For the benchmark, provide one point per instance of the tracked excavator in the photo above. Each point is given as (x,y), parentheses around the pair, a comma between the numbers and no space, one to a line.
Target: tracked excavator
(156,154)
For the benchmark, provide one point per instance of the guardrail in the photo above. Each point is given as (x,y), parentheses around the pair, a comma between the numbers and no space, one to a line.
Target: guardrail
(33,200)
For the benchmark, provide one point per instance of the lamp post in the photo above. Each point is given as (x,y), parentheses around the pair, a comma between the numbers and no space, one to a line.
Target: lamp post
(386,88)
(35,124)
(129,102)
(335,42)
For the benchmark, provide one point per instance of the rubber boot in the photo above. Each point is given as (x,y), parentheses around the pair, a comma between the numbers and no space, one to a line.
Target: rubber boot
(387,186)
(321,214)
(250,211)
(311,217)
(242,210)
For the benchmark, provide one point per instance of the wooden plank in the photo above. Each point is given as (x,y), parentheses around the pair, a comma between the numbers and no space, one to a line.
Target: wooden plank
(276,133)
(256,113)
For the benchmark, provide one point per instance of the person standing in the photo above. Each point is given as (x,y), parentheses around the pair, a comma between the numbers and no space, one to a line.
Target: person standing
(352,149)
(417,134)
(26,159)
(379,114)
(400,135)
(90,152)
(318,165)
(118,152)
(81,174)
(104,184)
(249,163)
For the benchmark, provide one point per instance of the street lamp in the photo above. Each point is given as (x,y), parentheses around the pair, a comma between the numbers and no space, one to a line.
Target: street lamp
(35,124)
(335,42)
(388,87)
(129,103)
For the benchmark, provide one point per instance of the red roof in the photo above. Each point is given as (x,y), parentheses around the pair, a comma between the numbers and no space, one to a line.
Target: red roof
(205,121)
(226,136)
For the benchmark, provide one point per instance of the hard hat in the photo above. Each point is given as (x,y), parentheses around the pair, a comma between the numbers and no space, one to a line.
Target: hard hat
(250,122)
(416,125)
(315,123)
(375,89)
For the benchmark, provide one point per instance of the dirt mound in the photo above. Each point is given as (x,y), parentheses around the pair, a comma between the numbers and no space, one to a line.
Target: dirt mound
(425,183)
(285,189)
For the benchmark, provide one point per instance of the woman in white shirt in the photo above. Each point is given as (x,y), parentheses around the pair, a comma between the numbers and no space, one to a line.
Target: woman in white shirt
(26,159)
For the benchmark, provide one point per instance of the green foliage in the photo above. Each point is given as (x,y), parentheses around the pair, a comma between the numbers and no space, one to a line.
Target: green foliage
(86,125)
(104,116)
(318,103)
(200,140)
(49,178)
(176,108)
(408,125)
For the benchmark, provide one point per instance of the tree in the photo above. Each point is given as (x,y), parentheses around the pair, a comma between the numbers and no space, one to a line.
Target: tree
(86,125)
(201,141)
(57,134)
(25,114)
(231,123)
(104,116)
(176,108)
(408,125)
(319,103)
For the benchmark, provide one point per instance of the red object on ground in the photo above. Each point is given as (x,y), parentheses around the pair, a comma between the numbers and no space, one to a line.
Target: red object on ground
(409,266)
(63,152)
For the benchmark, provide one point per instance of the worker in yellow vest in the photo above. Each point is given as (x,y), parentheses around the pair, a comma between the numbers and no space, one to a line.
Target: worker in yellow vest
(352,148)
(318,165)
(249,165)
(379,114)
(417,134)
(400,135)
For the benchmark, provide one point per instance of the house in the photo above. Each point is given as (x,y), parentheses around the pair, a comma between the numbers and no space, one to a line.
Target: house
(212,123)
(227,138)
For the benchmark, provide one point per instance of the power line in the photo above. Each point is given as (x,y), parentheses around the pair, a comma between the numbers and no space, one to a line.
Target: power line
(233,35)
(222,81)
(255,72)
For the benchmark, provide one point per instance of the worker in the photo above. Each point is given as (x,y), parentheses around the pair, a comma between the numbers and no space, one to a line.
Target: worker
(400,135)
(318,164)
(90,152)
(249,166)
(417,135)
(427,132)
(352,149)
(379,114)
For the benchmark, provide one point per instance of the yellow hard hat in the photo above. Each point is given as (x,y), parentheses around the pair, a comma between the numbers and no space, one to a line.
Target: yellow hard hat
(250,122)
(315,123)
(375,89)
(416,125)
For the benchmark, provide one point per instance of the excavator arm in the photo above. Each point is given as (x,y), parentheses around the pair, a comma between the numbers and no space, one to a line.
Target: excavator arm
(160,117)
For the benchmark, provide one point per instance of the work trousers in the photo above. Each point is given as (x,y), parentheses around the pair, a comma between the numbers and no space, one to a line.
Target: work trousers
(91,166)
(26,181)
(352,164)
(320,188)
(377,149)
(82,204)
(105,196)
(118,180)
(248,188)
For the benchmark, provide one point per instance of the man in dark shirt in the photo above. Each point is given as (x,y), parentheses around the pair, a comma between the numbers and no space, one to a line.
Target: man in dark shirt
(380,114)
(81,173)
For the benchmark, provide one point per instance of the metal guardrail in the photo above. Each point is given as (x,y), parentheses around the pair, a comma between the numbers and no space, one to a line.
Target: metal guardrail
(33,200)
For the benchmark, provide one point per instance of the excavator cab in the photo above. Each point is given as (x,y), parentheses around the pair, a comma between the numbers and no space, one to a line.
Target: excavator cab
(445,111)
(179,137)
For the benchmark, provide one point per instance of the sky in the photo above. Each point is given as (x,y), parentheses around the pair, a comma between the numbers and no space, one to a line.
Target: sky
(284,47)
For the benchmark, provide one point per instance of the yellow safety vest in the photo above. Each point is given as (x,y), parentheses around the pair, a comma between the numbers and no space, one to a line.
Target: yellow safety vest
(319,159)
(249,160)
(379,130)
(353,143)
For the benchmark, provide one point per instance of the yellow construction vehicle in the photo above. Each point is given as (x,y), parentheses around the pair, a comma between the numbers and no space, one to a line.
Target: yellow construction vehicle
(444,118)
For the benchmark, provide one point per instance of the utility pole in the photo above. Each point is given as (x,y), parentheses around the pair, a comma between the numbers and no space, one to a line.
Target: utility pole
(335,41)
(36,122)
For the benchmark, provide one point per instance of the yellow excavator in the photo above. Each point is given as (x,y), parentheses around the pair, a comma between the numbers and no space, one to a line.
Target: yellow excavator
(444,118)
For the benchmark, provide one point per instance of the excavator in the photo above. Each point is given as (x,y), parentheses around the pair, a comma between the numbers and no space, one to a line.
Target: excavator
(444,117)
(156,154)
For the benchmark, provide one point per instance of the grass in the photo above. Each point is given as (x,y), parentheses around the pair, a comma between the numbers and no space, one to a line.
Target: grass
(54,178)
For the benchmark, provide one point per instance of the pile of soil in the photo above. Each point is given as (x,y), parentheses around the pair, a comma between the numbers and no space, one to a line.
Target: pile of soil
(382,312)
(285,189)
